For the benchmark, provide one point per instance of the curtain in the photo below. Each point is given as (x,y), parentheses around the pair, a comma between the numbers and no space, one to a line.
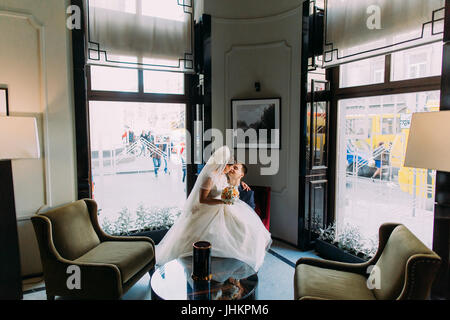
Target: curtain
(146,34)
(358,29)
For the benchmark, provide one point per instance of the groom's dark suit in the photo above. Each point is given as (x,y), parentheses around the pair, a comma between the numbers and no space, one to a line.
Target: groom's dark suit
(247,196)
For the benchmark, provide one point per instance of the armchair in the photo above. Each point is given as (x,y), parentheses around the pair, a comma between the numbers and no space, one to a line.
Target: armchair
(109,265)
(405,265)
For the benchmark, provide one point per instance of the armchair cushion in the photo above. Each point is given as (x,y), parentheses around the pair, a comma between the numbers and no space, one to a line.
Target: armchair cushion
(129,257)
(311,282)
(72,230)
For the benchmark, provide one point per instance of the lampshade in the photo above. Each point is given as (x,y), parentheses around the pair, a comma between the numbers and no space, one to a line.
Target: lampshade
(18,138)
(428,143)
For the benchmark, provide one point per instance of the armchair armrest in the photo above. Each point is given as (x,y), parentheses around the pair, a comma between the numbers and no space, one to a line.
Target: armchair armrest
(421,270)
(360,268)
(97,280)
(92,207)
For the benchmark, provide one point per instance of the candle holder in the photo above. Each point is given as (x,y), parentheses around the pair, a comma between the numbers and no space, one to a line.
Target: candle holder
(201,261)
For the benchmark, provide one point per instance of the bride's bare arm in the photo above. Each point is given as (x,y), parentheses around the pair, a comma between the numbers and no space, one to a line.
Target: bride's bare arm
(204,192)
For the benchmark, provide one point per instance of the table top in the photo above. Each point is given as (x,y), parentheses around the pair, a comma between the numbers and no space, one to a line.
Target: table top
(231,280)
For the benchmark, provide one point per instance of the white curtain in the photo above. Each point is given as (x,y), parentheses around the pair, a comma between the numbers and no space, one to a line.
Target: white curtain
(358,29)
(147,34)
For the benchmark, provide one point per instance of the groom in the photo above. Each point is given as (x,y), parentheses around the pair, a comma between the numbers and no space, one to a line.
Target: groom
(235,175)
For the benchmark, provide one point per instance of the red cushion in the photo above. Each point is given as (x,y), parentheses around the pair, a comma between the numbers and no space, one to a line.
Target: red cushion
(262,204)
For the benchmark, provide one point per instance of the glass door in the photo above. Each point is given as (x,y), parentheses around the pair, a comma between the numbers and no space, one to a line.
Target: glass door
(315,181)
(314,130)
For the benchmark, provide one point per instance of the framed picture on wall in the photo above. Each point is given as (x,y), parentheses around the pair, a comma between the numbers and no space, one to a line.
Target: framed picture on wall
(256,123)
(4,110)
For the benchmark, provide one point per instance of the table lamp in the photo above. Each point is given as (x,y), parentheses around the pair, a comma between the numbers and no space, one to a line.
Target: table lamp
(18,140)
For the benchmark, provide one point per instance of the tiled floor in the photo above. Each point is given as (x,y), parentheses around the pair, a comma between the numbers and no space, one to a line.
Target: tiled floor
(275,277)
(291,253)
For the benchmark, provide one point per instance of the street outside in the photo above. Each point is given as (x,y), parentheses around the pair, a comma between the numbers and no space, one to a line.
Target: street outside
(127,141)
(135,183)
(368,203)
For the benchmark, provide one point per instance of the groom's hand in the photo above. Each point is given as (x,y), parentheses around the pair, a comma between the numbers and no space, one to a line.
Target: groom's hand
(245,186)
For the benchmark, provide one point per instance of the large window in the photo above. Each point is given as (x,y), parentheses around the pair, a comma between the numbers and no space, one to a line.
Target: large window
(373,185)
(375,101)
(137,123)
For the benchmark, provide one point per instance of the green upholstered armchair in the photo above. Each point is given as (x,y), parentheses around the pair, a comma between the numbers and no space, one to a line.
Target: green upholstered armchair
(109,265)
(406,270)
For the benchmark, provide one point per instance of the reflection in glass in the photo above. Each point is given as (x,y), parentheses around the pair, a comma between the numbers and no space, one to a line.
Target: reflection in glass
(364,72)
(114,79)
(163,82)
(231,280)
(317,134)
(424,61)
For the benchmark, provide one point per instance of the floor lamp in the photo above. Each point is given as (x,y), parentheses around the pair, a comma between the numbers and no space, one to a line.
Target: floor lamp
(18,140)
(429,147)
(428,142)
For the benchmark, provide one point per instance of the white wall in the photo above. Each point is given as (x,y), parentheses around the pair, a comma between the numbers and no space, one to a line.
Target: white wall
(36,67)
(261,41)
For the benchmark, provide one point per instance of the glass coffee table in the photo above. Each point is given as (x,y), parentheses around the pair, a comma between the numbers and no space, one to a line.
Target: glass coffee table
(231,280)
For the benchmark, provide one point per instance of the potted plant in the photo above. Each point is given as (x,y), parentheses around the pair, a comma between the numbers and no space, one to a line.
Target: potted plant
(151,222)
(154,222)
(347,246)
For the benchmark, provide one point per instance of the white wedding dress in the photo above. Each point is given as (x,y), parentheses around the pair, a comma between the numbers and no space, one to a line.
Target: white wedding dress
(234,231)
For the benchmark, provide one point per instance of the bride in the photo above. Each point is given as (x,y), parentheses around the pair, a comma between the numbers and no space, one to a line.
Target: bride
(234,230)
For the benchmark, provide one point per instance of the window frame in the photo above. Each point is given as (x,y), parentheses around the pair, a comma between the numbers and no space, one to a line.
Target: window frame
(387,87)
(140,95)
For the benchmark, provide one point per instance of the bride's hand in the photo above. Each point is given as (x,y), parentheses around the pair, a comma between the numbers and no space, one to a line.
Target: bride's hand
(245,186)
